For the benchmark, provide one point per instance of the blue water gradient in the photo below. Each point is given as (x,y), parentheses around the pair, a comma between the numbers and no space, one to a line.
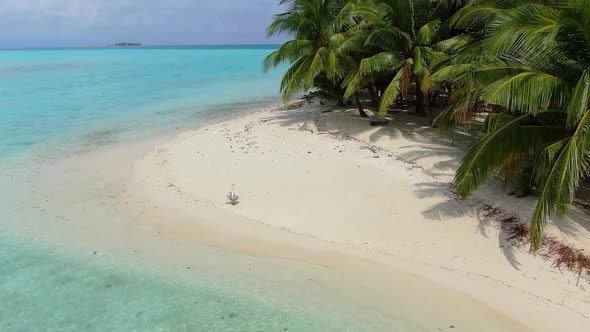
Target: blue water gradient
(77,96)
(44,289)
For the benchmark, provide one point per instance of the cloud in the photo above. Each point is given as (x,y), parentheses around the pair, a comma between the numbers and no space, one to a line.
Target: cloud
(29,23)
(49,8)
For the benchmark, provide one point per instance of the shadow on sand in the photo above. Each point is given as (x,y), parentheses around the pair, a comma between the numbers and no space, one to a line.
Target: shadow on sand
(420,143)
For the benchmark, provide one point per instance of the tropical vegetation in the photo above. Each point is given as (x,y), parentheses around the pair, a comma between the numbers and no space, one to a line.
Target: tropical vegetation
(519,69)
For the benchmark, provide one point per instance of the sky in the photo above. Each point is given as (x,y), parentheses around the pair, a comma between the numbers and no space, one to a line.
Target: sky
(79,23)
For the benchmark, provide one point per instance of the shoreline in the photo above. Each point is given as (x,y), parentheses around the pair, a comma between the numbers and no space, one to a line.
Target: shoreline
(303,130)
(70,146)
(142,198)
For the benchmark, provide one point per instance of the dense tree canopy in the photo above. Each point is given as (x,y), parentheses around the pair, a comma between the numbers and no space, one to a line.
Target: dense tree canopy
(524,65)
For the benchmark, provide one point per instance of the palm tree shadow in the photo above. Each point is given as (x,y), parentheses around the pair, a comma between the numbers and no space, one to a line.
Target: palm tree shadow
(575,225)
(508,250)
(344,120)
(420,146)
(424,146)
(452,208)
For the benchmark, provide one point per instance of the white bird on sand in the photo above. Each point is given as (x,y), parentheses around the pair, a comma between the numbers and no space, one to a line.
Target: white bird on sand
(233,197)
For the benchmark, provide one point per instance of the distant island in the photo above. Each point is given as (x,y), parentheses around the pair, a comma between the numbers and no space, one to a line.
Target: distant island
(127,44)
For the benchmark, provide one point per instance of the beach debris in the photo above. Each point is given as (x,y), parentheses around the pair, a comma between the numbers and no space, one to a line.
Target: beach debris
(562,255)
(232,197)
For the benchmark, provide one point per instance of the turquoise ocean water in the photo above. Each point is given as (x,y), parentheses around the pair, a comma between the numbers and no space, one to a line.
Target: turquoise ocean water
(47,290)
(54,103)
(102,95)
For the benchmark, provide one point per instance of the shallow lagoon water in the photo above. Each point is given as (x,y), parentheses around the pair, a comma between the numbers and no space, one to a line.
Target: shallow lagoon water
(60,103)
(45,289)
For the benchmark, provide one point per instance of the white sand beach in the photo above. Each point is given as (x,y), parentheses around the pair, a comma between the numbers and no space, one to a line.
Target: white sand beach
(360,221)
(313,182)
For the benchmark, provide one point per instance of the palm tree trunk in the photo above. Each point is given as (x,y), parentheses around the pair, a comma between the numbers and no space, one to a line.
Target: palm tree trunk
(374,97)
(429,102)
(419,98)
(362,112)
(449,93)
(399,101)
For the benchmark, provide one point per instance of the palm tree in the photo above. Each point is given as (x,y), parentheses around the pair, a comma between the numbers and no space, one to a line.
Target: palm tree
(311,24)
(535,68)
(403,34)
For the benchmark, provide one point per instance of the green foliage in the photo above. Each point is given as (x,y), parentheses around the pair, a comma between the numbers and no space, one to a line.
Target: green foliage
(311,24)
(524,65)
(533,65)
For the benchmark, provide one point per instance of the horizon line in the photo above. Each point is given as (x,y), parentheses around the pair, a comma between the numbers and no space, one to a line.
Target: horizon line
(33,48)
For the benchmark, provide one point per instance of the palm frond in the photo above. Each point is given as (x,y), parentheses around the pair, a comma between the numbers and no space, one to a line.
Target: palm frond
(579,101)
(559,170)
(379,62)
(317,66)
(507,136)
(289,52)
(474,16)
(394,88)
(427,33)
(527,91)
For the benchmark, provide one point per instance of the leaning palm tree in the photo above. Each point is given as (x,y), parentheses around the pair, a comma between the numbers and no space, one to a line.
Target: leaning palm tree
(311,24)
(535,69)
